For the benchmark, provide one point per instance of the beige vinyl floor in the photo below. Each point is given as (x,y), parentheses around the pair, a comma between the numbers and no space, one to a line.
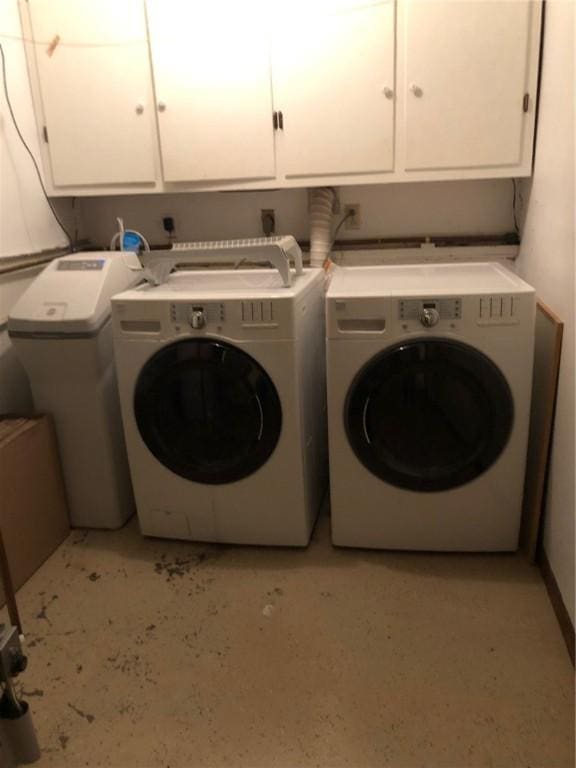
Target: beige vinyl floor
(147,653)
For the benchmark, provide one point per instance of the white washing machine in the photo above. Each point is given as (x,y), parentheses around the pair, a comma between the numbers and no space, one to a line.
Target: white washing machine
(222,386)
(62,333)
(429,382)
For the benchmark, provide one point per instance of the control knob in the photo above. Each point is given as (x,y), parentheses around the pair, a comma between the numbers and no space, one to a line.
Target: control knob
(197,319)
(429,317)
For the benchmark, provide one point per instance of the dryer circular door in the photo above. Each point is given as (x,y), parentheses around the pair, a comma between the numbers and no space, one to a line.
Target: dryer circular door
(429,414)
(207,411)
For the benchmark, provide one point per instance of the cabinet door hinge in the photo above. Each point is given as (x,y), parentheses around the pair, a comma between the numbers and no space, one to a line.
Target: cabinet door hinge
(45,133)
(275,120)
(526,102)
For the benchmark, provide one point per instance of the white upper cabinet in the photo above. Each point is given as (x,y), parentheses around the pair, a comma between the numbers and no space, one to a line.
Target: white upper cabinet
(469,83)
(95,90)
(333,81)
(212,79)
(164,95)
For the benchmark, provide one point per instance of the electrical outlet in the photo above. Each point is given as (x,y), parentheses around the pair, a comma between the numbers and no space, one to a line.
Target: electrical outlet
(352,212)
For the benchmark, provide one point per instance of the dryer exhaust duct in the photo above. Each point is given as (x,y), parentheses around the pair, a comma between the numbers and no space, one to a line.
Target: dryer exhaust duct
(320,207)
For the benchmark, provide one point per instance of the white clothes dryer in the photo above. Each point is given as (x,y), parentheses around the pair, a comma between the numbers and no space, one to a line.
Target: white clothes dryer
(222,386)
(429,383)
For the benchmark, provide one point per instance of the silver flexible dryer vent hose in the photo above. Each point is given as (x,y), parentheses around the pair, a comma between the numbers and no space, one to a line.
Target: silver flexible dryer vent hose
(320,207)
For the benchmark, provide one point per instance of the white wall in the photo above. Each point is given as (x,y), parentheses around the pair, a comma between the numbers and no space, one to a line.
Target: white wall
(546,260)
(15,395)
(26,223)
(397,210)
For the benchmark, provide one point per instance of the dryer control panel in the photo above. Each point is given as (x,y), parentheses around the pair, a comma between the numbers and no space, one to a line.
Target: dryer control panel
(442,309)
(415,314)
(497,310)
(228,317)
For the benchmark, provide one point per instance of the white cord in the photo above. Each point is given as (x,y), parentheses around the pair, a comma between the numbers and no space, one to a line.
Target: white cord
(119,236)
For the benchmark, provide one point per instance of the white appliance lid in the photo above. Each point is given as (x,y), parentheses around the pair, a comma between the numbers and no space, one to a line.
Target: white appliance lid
(217,285)
(72,295)
(425,280)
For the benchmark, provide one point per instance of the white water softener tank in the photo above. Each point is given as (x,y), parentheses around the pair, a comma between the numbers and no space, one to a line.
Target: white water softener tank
(62,334)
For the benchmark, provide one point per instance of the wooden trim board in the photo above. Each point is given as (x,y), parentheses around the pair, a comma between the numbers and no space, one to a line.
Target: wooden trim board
(566,626)
(547,356)
(7,588)
(547,353)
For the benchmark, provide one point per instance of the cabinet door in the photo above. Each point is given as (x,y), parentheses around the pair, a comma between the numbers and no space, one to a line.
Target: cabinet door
(333,76)
(466,73)
(212,79)
(96,90)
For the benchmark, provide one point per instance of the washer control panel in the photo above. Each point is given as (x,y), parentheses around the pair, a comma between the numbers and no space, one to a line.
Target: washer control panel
(196,316)
(230,318)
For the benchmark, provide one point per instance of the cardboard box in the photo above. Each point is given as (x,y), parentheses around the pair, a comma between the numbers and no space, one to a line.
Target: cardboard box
(33,510)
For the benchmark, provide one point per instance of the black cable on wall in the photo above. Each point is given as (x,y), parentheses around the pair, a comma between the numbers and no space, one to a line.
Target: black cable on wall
(27,148)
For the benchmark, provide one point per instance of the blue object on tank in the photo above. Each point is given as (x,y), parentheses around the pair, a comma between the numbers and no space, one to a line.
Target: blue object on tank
(131,241)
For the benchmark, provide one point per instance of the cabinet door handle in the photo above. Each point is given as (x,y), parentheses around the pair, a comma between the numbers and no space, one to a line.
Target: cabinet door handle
(161,106)
(139,109)
(275,120)
(526,102)
(280,121)
(388,92)
(416,90)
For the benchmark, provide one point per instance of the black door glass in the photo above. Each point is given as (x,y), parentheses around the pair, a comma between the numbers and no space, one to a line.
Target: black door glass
(429,415)
(208,411)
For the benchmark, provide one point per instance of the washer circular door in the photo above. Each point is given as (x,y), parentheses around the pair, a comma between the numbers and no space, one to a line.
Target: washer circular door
(207,411)
(429,414)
